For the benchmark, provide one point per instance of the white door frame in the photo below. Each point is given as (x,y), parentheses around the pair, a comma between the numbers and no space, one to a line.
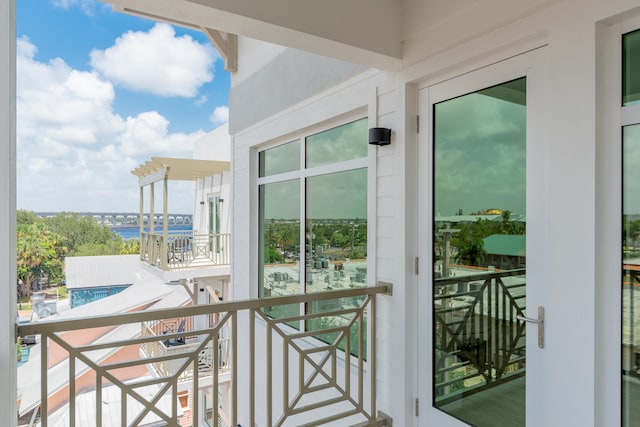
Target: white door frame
(531,65)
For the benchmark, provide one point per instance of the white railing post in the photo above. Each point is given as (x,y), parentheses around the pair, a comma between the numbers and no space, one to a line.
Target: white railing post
(44,387)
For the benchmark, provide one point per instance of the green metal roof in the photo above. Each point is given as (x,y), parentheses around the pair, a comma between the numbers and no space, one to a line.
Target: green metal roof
(506,244)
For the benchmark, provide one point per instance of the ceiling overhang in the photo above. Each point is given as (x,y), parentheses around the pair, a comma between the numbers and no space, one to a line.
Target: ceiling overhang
(361,31)
(172,169)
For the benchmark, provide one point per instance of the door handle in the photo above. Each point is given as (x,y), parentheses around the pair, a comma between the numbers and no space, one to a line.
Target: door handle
(539,321)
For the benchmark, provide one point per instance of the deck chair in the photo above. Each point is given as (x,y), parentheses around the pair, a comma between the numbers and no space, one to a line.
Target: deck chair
(175,341)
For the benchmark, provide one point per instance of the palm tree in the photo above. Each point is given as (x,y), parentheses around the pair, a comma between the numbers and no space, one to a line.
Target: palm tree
(130,247)
(29,255)
(38,251)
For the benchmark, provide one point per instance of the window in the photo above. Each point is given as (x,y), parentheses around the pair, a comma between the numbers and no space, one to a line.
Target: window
(313,215)
(630,68)
(214,223)
(630,232)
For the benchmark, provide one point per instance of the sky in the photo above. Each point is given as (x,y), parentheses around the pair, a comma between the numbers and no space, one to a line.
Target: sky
(100,92)
(480,155)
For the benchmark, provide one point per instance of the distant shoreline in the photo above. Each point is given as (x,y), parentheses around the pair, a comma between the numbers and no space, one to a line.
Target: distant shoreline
(133,232)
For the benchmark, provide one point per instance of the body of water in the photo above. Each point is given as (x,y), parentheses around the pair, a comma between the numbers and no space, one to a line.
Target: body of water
(134,232)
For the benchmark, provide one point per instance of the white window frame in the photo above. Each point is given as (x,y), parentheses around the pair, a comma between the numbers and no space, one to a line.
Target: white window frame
(303,173)
(612,117)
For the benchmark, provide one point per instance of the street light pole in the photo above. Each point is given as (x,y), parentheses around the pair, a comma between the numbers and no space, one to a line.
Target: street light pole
(353,235)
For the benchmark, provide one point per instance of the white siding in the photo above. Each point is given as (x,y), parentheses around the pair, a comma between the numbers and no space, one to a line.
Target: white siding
(217,185)
(8,206)
(443,41)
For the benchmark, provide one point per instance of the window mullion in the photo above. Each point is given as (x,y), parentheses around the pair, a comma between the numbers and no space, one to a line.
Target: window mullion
(303,228)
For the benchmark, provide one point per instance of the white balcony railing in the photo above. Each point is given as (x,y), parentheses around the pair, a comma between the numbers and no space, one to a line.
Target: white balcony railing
(185,250)
(168,367)
(286,371)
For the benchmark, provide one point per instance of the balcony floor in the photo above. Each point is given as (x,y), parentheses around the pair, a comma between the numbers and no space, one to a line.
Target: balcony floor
(502,406)
(499,406)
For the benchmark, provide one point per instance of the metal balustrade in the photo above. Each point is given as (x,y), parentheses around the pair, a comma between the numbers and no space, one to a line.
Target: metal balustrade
(479,341)
(305,377)
(185,250)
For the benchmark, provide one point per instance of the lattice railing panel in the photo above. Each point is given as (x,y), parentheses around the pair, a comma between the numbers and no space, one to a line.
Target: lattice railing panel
(111,368)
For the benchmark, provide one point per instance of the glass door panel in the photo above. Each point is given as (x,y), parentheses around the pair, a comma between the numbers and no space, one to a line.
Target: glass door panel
(214,223)
(479,249)
(631,276)
(630,229)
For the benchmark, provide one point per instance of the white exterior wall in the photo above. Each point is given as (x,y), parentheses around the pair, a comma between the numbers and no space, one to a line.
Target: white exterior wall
(359,97)
(215,145)
(255,54)
(8,367)
(217,185)
(443,41)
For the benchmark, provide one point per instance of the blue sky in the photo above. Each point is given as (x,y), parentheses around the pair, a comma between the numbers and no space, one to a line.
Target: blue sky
(99,92)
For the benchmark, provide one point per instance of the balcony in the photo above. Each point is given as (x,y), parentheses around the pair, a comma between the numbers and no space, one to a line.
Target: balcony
(169,350)
(185,251)
(203,253)
(253,367)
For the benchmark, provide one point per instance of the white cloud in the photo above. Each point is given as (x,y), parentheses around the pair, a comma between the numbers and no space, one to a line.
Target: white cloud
(147,134)
(220,115)
(157,62)
(202,100)
(74,152)
(58,103)
(87,6)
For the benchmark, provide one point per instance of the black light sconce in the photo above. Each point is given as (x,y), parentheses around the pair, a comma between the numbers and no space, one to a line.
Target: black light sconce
(379,136)
(202,202)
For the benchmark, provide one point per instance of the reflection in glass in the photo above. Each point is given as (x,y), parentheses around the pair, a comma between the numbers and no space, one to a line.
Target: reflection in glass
(346,142)
(480,255)
(333,237)
(279,234)
(630,68)
(336,247)
(631,276)
(336,230)
(280,159)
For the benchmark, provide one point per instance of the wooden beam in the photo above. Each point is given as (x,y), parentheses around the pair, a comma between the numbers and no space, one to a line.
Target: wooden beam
(364,32)
(156,176)
(227,45)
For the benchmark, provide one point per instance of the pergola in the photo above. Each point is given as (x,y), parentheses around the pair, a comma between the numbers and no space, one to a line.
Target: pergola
(171,169)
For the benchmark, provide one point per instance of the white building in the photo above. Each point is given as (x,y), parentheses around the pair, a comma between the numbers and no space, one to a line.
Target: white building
(546,84)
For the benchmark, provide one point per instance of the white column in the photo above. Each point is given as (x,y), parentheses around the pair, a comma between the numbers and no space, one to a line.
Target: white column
(141,218)
(8,393)
(165,207)
(152,201)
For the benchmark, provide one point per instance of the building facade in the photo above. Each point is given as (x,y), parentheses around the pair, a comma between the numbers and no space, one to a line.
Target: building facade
(549,86)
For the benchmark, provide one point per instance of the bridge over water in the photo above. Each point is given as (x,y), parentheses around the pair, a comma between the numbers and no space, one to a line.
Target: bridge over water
(127,219)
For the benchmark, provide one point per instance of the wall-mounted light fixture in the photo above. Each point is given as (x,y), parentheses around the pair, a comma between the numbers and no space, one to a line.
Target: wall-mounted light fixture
(202,202)
(379,136)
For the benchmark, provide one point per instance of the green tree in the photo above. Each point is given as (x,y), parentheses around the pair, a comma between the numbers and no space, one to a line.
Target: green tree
(43,243)
(26,217)
(130,247)
(110,247)
(271,255)
(470,249)
(39,252)
(79,230)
